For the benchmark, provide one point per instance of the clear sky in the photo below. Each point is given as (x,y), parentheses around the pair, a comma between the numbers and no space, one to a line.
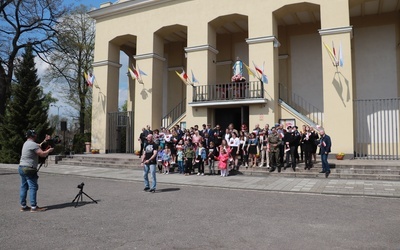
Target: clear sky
(91,3)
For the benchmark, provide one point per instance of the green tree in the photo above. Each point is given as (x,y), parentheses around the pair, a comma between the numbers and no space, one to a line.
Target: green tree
(124,107)
(26,109)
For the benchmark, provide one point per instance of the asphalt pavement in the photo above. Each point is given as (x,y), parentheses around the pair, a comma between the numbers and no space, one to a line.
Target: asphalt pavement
(324,186)
(194,212)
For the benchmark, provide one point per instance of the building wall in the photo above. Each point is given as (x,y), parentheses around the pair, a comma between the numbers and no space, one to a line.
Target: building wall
(175,91)
(376,62)
(305,67)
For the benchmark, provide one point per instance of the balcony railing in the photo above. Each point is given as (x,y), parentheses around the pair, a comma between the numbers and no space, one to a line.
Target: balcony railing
(228,91)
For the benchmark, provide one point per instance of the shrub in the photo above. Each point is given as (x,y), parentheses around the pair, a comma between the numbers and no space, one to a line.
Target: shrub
(79,142)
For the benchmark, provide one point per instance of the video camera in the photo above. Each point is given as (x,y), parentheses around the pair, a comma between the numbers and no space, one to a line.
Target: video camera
(80,186)
(49,143)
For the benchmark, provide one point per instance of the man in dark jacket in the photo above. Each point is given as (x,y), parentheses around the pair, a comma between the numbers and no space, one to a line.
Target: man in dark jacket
(325,145)
(290,147)
(297,141)
(217,135)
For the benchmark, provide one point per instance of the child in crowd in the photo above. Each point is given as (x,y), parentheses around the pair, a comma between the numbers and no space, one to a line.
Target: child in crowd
(201,156)
(160,158)
(166,160)
(179,157)
(212,153)
(161,138)
(243,148)
(252,149)
(223,161)
(189,156)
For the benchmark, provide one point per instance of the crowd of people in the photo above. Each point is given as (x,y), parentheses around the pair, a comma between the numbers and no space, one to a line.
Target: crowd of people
(273,147)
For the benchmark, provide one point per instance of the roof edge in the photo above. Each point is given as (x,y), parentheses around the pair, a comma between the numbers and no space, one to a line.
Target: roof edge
(119,8)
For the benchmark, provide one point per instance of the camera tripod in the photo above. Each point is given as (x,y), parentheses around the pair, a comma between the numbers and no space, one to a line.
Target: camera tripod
(80,195)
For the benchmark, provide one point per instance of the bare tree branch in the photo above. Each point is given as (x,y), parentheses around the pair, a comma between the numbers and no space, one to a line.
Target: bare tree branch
(24,22)
(71,56)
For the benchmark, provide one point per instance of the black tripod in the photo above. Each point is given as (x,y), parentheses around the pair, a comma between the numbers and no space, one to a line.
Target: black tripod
(80,195)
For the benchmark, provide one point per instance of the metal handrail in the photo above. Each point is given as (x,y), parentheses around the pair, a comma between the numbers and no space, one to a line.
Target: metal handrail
(299,104)
(174,114)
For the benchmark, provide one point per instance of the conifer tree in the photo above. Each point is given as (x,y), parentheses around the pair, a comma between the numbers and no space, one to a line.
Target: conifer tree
(27,109)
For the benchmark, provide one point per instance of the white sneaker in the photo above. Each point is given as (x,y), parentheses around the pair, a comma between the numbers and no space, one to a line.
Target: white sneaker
(268,167)
(202,174)
(198,173)
(167,172)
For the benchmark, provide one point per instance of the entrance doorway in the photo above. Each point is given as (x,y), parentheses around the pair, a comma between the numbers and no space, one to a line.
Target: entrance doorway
(120,131)
(237,116)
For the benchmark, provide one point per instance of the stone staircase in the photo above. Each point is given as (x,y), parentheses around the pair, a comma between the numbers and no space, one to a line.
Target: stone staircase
(337,171)
(105,161)
(345,169)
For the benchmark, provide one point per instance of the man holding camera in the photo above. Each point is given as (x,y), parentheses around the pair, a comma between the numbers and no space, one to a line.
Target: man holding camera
(28,168)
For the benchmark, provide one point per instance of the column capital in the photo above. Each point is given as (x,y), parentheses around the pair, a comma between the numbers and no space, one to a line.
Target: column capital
(201,48)
(149,55)
(264,39)
(106,63)
(337,30)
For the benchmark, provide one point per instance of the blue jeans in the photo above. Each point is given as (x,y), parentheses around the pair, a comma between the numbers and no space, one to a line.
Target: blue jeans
(152,169)
(28,183)
(180,167)
(325,164)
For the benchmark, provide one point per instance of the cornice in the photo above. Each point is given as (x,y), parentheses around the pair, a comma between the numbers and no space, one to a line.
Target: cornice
(149,55)
(175,68)
(107,63)
(201,48)
(338,30)
(228,103)
(263,39)
(119,8)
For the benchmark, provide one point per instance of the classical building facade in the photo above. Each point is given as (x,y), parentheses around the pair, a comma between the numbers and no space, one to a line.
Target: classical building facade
(326,62)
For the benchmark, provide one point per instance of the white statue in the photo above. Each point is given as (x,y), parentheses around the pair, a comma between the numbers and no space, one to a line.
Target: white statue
(238,67)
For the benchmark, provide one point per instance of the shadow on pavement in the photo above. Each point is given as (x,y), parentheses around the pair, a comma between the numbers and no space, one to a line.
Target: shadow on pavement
(235,172)
(168,189)
(69,204)
(7,173)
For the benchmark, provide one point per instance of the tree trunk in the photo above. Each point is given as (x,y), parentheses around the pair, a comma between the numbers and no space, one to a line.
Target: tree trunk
(5,82)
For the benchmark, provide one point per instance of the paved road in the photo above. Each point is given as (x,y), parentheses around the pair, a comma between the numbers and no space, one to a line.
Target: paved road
(184,216)
(379,188)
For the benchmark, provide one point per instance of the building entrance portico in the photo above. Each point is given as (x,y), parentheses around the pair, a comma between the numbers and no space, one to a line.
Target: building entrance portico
(237,116)
(313,50)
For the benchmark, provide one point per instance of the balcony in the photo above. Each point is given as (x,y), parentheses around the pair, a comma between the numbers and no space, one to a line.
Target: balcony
(235,93)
